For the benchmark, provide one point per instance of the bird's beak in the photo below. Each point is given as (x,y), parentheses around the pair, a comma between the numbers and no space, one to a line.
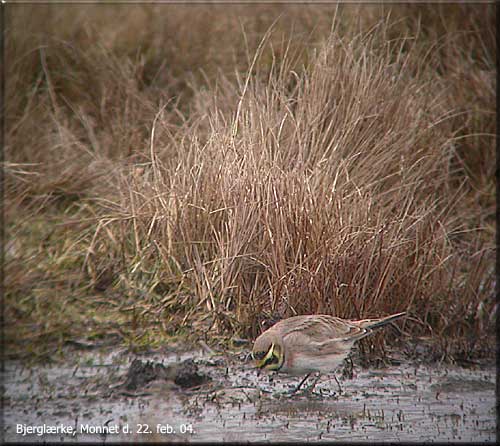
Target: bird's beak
(260,364)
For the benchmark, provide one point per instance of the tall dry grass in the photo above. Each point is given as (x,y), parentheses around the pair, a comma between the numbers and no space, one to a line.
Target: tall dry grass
(337,169)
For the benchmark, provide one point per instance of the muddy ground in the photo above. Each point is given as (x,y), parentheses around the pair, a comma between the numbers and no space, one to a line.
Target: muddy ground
(114,395)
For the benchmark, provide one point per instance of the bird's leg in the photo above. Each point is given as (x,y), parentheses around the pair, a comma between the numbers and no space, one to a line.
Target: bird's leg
(311,388)
(347,371)
(340,388)
(300,385)
(329,379)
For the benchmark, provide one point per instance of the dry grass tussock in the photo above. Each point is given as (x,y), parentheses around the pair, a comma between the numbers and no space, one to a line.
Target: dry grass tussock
(349,173)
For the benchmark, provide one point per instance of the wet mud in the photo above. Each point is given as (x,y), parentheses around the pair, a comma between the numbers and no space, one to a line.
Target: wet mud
(113,395)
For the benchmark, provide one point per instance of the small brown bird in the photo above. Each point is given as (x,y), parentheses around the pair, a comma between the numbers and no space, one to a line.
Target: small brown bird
(314,343)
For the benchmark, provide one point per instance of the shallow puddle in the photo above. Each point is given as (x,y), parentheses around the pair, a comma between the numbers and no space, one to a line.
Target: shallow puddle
(81,399)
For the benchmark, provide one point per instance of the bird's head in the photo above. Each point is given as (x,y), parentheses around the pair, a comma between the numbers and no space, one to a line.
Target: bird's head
(268,352)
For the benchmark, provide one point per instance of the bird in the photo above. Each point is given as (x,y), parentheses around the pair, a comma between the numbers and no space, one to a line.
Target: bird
(305,344)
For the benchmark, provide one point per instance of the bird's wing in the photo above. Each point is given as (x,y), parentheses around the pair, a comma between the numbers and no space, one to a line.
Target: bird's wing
(311,345)
(324,330)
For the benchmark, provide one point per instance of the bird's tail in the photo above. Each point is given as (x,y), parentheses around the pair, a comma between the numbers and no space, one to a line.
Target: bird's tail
(376,323)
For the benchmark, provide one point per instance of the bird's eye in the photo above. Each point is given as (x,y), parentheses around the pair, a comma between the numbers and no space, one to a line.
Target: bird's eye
(259,355)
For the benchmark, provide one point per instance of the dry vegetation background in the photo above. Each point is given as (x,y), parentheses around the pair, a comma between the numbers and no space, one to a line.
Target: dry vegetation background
(190,171)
